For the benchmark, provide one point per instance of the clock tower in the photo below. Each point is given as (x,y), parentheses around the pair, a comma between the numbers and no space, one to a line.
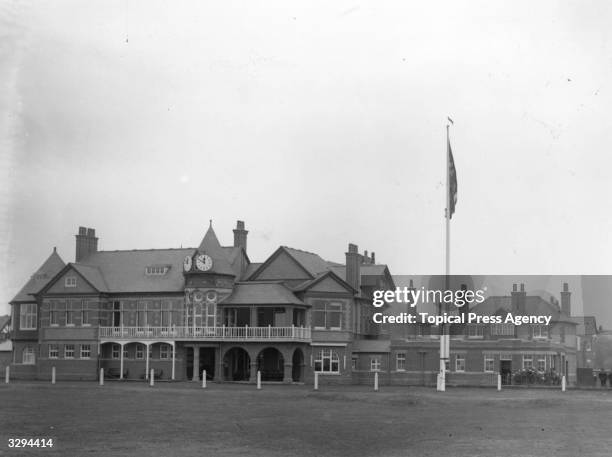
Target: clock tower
(209,278)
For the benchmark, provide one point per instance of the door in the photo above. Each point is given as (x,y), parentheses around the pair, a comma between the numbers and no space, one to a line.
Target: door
(207,362)
(505,369)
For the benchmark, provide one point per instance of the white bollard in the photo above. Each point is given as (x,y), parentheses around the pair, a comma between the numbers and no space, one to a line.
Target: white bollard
(498,382)
(101,376)
(563,384)
(376,381)
(316,386)
(7,374)
(203,379)
(152,377)
(258,380)
(52,375)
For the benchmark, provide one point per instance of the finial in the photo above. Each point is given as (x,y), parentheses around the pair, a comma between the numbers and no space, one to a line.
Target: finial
(54,248)
(210,221)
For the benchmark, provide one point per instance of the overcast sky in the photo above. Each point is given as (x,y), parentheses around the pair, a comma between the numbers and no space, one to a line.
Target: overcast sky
(318,123)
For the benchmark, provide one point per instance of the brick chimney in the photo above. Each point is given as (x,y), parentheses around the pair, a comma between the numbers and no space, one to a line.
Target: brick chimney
(566,305)
(240,235)
(373,257)
(518,299)
(353,267)
(86,243)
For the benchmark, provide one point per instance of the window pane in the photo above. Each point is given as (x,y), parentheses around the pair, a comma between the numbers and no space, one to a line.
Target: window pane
(334,319)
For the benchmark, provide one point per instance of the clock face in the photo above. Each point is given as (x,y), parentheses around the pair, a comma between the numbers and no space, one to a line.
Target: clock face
(204,262)
(187,263)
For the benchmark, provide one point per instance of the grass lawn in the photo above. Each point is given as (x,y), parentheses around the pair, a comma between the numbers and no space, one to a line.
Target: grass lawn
(132,419)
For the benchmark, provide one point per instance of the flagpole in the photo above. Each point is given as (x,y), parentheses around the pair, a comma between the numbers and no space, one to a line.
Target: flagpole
(444,329)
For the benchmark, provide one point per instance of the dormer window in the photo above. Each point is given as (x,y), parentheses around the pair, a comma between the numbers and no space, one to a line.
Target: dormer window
(156,270)
(70,281)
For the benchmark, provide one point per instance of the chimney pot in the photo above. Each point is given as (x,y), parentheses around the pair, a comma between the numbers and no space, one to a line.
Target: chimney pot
(240,235)
(565,287)
(411,284)
(513,287)
(352,248)
(82,231)
(373,257)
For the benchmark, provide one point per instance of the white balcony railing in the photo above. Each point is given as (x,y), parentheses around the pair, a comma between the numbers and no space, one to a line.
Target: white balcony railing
(208,333)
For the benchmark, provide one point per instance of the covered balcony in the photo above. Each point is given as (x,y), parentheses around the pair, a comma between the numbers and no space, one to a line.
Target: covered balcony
(222,333)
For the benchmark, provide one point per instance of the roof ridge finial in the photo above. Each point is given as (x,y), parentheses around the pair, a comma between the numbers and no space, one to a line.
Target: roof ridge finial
(54,248)
(210,222)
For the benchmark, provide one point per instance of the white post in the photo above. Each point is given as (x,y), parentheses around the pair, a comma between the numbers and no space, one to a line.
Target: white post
(258,380)
(498,382)
(173,359)
(563,384)
(152,378)
(376,381)
(203,379)
(147,361)
(101,376)
(316,385)
(121,360)
(7,375)
(52,375)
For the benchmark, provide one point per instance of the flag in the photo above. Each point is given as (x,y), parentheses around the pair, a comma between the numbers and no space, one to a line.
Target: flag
(452,182)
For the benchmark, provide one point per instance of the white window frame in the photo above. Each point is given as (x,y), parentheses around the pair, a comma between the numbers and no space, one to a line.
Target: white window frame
(489,358)
(375,363)
(54,351)
(28,355)
(28,316)
(459,357)
(475,331)
(542,331)
(164,351)
(333,308)
(85,351)
(54,314)
(115,351)
(330,356)
(69,350)
(70,313)
(70,281)
(140,351)
(400,356)
(540,358)
(527,358)
(85,312)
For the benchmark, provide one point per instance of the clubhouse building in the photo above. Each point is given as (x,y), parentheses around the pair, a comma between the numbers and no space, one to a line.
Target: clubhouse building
(188,310)
(209,308)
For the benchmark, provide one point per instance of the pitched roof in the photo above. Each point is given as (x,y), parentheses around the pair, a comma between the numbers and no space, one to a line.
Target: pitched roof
(534,306)
(252,268)
(93,275)
(4,321)
(310,261)
(124,271)
(261,293)
(311,282)
(210,245)
(38,280)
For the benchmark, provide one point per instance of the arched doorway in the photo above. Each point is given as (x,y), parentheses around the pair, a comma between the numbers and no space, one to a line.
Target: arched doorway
(271,364)
(237,365)
(297,371)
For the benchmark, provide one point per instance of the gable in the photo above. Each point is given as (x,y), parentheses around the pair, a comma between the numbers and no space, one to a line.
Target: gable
(58,286)
(281,266)
(329,284)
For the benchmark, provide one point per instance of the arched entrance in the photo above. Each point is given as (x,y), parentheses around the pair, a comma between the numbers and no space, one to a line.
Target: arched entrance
(237,365)
(297,371)
(271,364)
